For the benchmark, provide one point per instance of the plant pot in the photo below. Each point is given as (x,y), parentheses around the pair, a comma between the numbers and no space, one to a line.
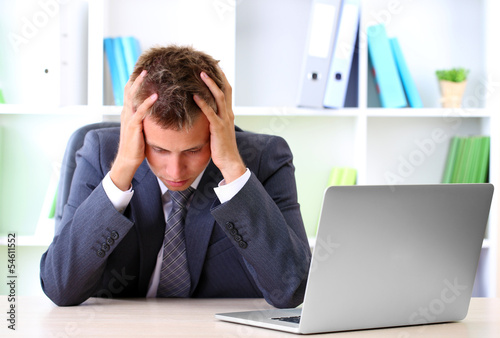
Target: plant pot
(452,93)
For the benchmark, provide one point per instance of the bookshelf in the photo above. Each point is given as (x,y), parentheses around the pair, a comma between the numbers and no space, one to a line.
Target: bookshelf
(261,44)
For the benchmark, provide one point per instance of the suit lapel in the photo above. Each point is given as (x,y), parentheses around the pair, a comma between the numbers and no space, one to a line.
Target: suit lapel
(200,222)
(148,212)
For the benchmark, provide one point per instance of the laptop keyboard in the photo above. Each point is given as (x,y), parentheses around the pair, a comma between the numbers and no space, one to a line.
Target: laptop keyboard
(293,319)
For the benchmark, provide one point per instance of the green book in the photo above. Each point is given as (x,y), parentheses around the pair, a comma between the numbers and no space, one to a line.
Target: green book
(450,160)
(476,163)
(335,176)
(342,176)
(2,99)
(472,159)
(458,160)
(52,211)
(483,160)
(465,161)
(348,177)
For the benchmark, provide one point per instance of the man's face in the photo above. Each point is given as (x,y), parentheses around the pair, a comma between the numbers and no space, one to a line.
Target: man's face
(177,157)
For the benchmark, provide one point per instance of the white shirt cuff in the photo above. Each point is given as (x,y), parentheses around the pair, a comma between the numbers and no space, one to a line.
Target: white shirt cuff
(119,199)
(227,191)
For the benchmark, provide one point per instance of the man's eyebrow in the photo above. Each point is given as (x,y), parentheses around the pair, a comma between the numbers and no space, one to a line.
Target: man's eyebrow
(189,149)
(197,147)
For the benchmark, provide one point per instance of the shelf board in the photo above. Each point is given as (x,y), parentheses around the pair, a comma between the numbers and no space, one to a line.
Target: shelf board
(28,109)
(363,112)
(98,111)
(294,111)
(426,112)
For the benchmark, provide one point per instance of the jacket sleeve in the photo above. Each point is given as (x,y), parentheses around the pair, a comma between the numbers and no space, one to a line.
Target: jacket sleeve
(266,226)
(72,266)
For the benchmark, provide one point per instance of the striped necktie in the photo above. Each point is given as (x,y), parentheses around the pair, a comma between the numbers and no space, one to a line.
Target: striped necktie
(174,275)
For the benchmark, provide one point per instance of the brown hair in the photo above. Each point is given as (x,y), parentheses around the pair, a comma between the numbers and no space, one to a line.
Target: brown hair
(174,74)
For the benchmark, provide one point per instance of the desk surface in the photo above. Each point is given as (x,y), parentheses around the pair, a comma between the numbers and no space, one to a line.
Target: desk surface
(39,317)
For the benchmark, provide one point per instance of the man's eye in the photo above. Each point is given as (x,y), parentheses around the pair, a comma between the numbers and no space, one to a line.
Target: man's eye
(158,150)
(194,151)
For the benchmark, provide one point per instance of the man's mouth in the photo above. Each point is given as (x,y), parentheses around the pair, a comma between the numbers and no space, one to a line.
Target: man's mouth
(176,183)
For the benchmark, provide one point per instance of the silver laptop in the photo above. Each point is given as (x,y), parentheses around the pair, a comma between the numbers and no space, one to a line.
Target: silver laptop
(388,256)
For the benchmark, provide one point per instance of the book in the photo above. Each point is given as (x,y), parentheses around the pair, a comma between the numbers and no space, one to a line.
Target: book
(131,52)
(341,61)
(464,160)
(2,99)
(409,85)
(471,166)
(121,54)
(52,211)
(118,86)
(467,160)
(352,94)
(385,71)
(342,176)
(322,32)
(450,161)
(121,66)
(1,150)
(483,160)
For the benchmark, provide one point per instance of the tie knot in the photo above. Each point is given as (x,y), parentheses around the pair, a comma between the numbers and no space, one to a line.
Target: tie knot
(181,197)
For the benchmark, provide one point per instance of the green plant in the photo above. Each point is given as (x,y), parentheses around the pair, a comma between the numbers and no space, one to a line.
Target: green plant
(453,75)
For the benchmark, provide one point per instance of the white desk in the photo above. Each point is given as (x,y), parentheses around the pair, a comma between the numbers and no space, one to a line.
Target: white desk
(39,317)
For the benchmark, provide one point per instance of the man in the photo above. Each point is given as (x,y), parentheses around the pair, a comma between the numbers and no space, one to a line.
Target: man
(240,234)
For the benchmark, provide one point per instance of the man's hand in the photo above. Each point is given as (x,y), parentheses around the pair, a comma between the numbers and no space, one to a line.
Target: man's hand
(131,151)
(225,154)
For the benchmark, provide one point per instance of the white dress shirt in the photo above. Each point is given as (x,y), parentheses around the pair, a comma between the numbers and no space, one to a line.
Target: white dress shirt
(120,200)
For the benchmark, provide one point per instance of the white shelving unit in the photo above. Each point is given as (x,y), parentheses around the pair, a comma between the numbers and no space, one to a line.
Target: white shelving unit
(261,44)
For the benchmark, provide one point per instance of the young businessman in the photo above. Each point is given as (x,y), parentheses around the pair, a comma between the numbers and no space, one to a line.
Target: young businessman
(239,234)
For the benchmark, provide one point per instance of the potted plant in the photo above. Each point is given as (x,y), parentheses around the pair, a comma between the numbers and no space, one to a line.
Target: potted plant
(452,83)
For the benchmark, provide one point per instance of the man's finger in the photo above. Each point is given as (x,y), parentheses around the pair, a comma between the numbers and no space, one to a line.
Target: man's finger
(217,93)
(205,108)
(228,90)
(138,80)
(143,109)
(130,90)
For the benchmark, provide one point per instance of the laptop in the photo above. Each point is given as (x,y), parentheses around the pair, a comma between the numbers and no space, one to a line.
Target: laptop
(388,256)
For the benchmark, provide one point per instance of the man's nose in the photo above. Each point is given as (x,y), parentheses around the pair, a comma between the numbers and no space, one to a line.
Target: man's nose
(175,167)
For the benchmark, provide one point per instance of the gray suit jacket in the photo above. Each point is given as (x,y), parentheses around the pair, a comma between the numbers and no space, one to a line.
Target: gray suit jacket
(254,245)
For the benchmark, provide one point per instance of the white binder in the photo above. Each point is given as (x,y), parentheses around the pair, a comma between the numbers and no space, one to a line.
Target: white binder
(323,24)
(33,34)
(338,76)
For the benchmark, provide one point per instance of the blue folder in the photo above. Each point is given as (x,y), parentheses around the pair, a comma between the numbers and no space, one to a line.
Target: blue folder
(389,84)
(131,52)
(116,68)
(409,85)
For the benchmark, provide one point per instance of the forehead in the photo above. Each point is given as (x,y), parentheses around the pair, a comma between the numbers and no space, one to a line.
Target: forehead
(176,140)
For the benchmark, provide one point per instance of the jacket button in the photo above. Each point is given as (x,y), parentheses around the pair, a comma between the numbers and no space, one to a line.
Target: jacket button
(238,238)
(243,244)
(110,240)
(105,247)
(100,253)
(233,232)
(115,235)
(229,225)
